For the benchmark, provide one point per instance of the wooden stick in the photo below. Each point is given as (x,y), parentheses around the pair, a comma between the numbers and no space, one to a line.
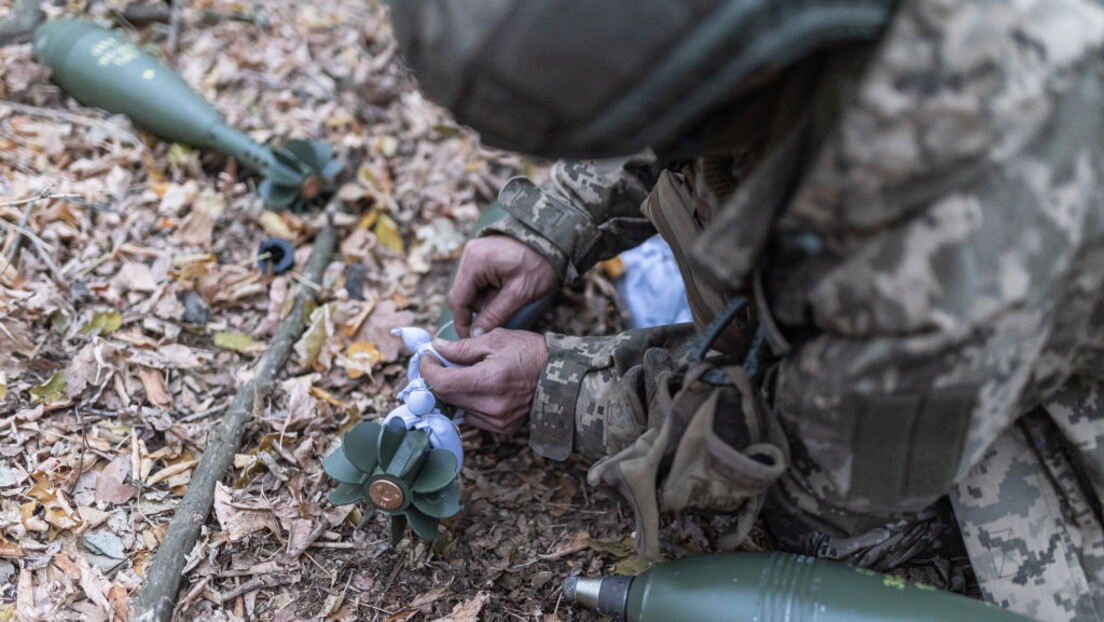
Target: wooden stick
(258,583)
(17,236)
(174,31)
(159,592)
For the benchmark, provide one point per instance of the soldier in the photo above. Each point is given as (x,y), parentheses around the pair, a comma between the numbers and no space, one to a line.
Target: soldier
(889,222)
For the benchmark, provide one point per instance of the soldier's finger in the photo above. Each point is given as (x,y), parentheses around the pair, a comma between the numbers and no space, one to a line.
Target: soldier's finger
(430,367)
(462,297)
(466,351)
(472,403)
(496,311)
(487,423)
(467,387)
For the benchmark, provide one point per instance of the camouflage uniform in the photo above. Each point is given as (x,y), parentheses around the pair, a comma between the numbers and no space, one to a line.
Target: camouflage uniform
(930,262)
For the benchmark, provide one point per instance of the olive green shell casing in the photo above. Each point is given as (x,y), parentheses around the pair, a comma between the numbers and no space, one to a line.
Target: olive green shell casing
(98,67)
(775,587)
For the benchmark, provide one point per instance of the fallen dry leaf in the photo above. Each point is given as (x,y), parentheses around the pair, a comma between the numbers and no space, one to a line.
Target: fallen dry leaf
(238,342)
(377,329)
(468,610)
(10,549)
(110,486)
(134,276)
(240,520)
(387,232)
(362,357)
(169,471)
(157,390)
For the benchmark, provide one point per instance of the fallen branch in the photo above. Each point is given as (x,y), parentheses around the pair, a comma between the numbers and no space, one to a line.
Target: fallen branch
(159,592)
(174,31)
(258,583)
(18,26)
(17,236)
(142,14)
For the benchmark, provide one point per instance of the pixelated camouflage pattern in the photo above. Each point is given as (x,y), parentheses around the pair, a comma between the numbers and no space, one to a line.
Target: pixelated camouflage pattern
(939,269)
(959,220)
(1030,522)
(957,284)
(516,229)
(570,406)
(589,212)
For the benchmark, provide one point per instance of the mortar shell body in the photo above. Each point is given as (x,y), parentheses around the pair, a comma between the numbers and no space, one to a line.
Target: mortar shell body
(774,587)
(98,67)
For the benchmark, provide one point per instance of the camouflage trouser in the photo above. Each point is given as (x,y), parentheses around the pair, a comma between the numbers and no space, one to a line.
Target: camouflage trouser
(1030,511)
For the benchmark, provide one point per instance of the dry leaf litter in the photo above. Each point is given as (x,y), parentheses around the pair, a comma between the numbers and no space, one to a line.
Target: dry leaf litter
(133,309)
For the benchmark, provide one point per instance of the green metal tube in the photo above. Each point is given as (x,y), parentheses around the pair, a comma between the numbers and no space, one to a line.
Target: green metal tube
(523,319)
(774,587)
(98,67)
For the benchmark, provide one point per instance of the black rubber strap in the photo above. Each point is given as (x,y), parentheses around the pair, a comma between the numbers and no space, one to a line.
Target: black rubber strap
(715,327)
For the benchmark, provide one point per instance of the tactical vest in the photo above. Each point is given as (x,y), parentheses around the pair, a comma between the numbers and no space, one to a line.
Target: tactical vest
(683,205)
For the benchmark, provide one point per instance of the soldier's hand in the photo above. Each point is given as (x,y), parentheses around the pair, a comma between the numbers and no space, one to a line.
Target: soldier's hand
(496,278)
(497,390)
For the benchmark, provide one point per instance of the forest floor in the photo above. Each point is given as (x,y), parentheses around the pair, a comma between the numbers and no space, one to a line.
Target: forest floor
(132,309)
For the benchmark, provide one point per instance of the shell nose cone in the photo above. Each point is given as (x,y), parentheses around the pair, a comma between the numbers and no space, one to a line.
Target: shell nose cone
(43,37)
(52,39)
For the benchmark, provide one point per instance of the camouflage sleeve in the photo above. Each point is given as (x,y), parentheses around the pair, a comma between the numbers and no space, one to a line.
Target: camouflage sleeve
(590,211)
(948,290)
(568,409)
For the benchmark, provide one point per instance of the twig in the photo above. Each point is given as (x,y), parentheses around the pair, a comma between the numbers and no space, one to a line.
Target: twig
(157,598)
(140,14)
(23,218)
(40,247)
(202,414)
(174,30)
(118,132)
(27,232)
(39,197)
(394,573)
(84,448)
(303,279)
(58,276)
(314,561)
(294,553)
(334,545)
(256,584)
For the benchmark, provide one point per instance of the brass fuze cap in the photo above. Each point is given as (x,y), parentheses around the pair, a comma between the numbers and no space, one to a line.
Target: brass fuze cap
(386,495)
(311,187)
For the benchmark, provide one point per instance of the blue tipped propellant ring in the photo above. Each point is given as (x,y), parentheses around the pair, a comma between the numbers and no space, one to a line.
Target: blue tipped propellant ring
(278,253)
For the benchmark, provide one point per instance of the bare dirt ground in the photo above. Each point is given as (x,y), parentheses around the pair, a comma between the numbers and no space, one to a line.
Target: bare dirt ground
(132,309)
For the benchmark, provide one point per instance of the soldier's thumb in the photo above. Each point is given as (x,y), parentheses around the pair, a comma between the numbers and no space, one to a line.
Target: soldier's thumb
(464,352)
